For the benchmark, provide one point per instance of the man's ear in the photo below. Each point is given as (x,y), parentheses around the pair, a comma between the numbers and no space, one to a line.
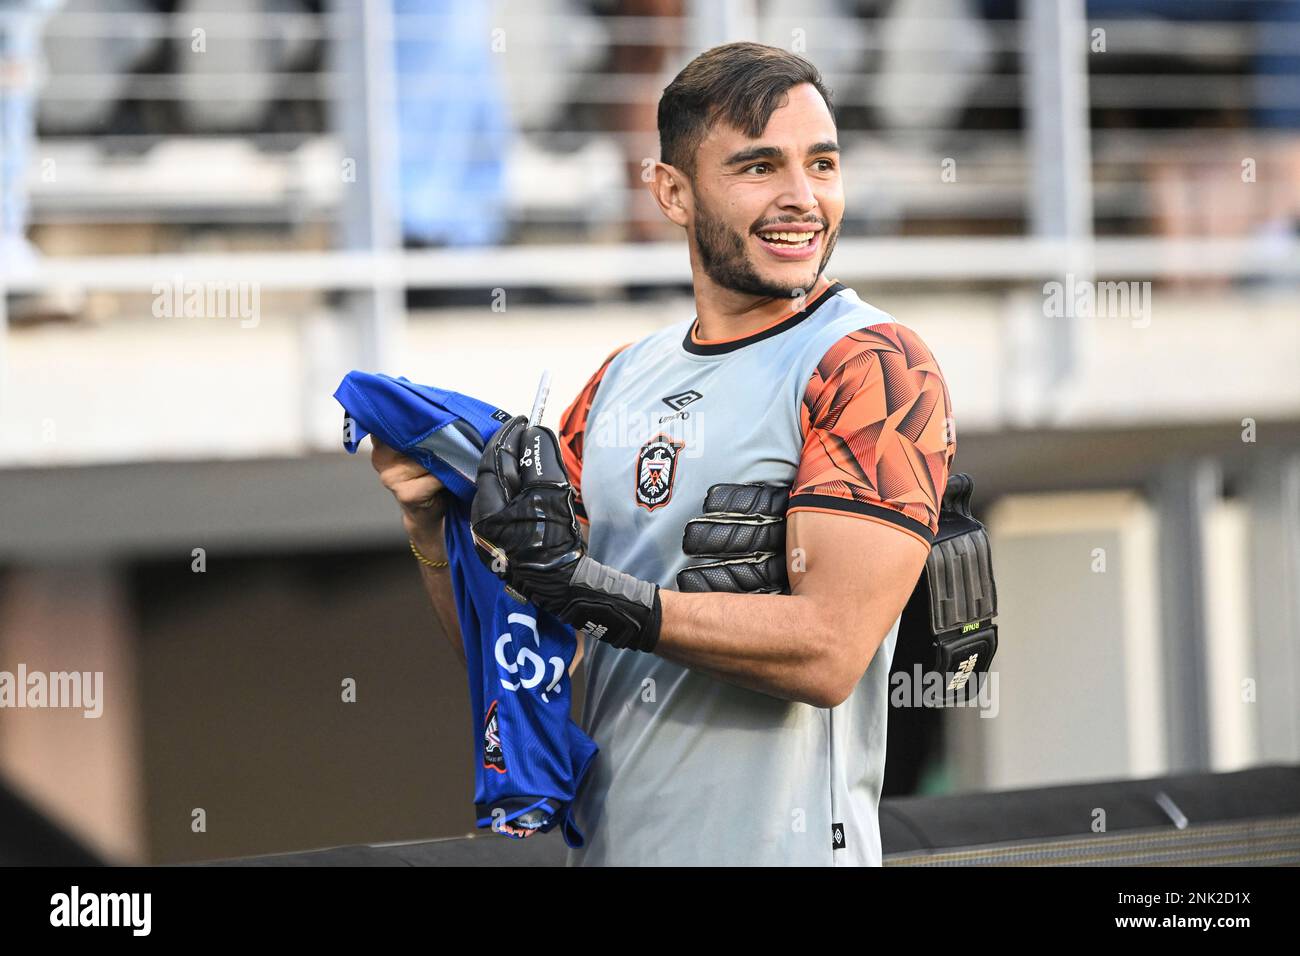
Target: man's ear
(671,189)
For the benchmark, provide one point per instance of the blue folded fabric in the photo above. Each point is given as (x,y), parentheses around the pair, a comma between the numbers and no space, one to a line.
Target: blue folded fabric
(530,757)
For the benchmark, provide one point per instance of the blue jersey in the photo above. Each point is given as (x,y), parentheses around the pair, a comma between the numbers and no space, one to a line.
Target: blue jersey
(530,757)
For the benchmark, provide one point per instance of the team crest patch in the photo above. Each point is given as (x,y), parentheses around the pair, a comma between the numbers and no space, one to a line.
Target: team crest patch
(656,470)
(493,756)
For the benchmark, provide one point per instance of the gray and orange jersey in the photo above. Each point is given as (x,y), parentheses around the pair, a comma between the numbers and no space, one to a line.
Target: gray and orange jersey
(851,409)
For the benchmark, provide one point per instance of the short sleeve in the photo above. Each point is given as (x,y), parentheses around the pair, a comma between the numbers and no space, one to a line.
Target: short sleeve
(573,431)
(879,437)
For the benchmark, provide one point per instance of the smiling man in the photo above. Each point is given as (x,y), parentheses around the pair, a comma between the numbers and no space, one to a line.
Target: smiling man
(736,677)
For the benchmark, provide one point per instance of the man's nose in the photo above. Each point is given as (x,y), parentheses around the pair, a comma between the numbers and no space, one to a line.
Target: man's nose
(797,193)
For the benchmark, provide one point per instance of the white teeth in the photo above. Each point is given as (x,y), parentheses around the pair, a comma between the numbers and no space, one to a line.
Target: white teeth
(801,238)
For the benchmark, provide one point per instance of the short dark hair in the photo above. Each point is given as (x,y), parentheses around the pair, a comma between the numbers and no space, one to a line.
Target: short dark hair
(741,84)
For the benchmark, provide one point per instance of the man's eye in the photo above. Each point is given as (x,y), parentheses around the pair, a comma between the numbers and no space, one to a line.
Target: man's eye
(825,165)
(762,167)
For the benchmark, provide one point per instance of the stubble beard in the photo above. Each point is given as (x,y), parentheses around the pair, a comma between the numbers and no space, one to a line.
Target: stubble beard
(725,259)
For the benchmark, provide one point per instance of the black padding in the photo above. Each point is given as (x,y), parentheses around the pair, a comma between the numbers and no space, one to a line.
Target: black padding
(747,498)
(963,653)
(743,528)
(757,574)
(959,572)
(716,537)
(953,606)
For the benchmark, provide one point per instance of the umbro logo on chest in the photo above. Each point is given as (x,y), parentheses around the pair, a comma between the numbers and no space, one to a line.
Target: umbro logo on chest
(678,403)
(681,399)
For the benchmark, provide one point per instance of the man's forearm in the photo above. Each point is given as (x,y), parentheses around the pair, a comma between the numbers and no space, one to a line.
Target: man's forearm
(777,644)
(437,583)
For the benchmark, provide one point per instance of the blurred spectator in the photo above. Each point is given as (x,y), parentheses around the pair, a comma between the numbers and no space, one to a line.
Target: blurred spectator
(250,47)
(21,22)
(1242,177)
(1200,193)
(105,41)
(641,53)
(453,127)
(1276,45)
(933,55)
(20,32)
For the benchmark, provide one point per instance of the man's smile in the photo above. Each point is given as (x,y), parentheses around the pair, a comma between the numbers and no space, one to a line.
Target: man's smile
(791,242)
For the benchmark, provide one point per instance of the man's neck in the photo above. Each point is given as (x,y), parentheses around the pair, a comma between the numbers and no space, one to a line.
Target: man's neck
(727,314)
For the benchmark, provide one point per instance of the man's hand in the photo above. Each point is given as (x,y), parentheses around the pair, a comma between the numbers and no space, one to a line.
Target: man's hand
(526,530)
(423,498)
(742,530)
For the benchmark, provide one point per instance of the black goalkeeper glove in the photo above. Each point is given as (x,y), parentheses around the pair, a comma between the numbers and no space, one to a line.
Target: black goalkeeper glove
(743,530)
(526,530)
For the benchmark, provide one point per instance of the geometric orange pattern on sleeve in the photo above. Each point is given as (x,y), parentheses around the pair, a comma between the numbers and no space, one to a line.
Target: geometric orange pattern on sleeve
(573,430)
(879,438)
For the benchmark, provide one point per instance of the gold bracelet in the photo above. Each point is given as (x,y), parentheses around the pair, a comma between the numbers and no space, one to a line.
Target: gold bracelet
(437,565)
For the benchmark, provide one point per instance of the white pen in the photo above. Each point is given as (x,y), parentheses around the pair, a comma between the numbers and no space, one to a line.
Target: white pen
(539,403)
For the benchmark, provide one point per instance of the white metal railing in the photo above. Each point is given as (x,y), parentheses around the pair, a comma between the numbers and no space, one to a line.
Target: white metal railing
(985,156)
(1037,171)
(584,264)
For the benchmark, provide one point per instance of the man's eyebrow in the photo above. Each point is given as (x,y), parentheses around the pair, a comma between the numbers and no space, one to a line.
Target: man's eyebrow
(754,153)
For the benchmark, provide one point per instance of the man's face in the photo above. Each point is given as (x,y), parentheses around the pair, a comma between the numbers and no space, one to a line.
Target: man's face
(767,211)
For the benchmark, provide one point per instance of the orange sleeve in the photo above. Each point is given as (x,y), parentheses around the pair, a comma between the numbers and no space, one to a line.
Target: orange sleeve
(878,431)
(573,429)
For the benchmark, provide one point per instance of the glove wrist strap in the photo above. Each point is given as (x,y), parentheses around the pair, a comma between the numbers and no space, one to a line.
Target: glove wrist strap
(613,606)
